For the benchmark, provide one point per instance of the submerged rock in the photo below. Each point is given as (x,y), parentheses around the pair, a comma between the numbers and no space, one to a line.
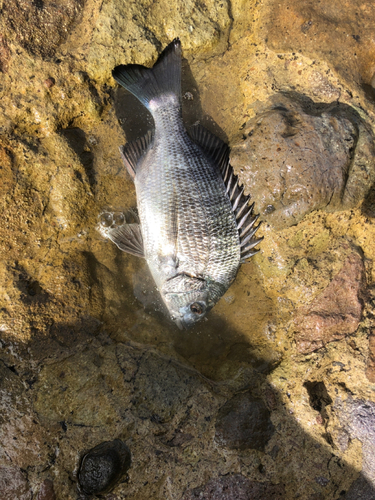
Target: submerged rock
(103,466)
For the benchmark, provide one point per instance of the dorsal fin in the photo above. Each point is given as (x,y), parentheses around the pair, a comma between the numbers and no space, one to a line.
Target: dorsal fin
(218,152)
(212,146)
(133,151)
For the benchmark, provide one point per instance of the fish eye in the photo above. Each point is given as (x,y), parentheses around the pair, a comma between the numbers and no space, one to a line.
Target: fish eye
(196,308)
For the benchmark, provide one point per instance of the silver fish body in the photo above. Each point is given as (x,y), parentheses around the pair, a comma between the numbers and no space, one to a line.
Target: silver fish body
(189,230)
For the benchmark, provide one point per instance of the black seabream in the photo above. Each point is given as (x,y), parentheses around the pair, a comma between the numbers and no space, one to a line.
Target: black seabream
(195,225)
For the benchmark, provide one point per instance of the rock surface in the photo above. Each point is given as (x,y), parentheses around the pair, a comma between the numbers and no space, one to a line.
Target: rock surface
(297,157)
(268,397)
(235,487)
(336,312)
(243,423)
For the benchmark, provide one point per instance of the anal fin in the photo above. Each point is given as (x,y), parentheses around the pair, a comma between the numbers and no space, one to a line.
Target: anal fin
(134,150)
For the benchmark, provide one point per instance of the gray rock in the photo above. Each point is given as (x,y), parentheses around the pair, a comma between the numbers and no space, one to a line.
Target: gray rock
(235,487)
(357,418)
(243,423)
(13,484)
(161,388)
(297,156)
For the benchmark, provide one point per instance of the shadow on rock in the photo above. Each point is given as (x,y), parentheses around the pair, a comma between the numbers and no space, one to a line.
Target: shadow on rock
(231,439)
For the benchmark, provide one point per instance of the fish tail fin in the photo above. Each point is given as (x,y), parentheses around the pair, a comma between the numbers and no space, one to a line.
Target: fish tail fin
(147,84)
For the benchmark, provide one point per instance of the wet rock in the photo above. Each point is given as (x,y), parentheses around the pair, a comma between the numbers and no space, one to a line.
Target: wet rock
(84,389)
(195,23)
(40,26)
(336,312)
(13,484)
(297,157)
(235,487)
(161,387)
(244,423)
(103,466)
(46,491)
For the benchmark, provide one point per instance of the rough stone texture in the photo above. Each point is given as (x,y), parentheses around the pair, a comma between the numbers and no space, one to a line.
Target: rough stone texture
(46,491)
(235,487)
(40,26)
(370,370)
(244,423)
(336,312)
(323,29)
(13,484)
(357,418)
(297,157)
(87,355)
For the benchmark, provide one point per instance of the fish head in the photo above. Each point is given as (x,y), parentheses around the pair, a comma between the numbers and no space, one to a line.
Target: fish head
(187,299)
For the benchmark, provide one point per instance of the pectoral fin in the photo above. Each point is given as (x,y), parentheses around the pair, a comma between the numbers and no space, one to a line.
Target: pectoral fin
(126,236)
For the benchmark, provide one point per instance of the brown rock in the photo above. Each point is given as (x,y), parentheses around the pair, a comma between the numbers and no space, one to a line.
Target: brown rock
(343,36)
(4,55)
(40,26)
(235,487)
(13,484)
(46,491)
(370,370)
(336,312)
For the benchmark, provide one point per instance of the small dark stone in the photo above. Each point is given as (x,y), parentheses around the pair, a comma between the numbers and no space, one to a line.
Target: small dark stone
(103,466)
(46,491)
(50,82)
(322,481)
(243,423)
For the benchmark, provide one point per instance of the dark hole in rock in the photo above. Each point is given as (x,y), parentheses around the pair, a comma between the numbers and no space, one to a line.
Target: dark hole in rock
(103,466)
(319,397)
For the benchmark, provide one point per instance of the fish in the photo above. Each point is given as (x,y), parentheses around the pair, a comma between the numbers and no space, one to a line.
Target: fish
(194,224)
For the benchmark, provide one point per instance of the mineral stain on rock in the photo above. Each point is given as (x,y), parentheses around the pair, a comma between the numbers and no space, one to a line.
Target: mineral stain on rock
(103,466)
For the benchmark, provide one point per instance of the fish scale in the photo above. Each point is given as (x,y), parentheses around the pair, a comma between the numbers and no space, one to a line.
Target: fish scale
(188,201)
